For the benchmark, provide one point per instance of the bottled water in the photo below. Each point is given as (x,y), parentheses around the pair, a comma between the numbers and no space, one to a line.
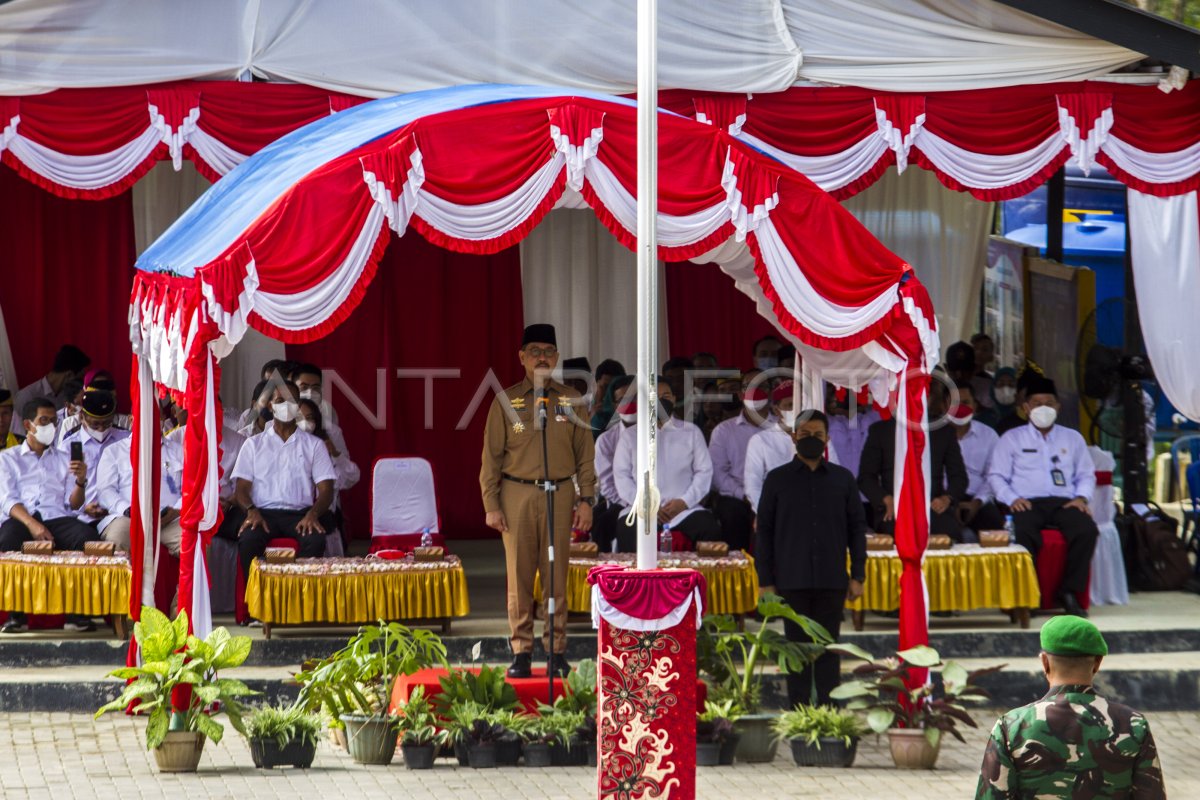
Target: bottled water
(664,539)
(1012,531)
(426,538)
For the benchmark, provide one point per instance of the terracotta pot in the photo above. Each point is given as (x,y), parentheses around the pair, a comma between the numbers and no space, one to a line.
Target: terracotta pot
(911,750)
(758,743)
(370,739)
(180,751)
(831,753)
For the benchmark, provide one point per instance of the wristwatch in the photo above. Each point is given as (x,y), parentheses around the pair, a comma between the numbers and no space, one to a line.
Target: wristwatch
(591,501)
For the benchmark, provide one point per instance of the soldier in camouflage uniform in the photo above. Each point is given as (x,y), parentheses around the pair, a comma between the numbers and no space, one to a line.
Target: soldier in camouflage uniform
(1072,743)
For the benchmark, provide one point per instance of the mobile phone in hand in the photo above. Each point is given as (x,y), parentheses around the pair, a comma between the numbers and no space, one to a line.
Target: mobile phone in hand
(77,451)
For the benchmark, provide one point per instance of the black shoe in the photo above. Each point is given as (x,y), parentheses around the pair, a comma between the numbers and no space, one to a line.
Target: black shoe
(79,623)
(1070,605)
(15,623)
(521,667)
(559,666)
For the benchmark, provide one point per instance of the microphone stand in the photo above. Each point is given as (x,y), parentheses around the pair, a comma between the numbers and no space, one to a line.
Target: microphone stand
(549,488)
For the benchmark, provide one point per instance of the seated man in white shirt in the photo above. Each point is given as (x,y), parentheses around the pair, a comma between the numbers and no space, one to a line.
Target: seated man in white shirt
(977,510)
(684,477)
(39,489)
(608,508)
(1044,473)
(69,362)
(727,449)
(96,434)
(285,485)
(114,493)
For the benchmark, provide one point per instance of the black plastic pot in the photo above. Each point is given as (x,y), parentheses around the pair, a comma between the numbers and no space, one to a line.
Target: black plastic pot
(563,756)
(267,753)
(729,750)
(508,751)
(482,755)
(537,754)
(708,754)
(419,756)
(460,753)
(832,753)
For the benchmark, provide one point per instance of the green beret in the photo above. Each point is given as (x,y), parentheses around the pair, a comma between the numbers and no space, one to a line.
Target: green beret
(1068,635)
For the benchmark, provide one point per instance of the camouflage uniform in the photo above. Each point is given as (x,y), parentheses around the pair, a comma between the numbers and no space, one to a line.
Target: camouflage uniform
(1071,744)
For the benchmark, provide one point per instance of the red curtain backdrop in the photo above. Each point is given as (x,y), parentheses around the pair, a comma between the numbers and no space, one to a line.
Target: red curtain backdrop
(706,312)
(428,308)
(67,267)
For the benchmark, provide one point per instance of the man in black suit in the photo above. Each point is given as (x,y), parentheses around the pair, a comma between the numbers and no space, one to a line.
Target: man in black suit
(948,478)
(809,518)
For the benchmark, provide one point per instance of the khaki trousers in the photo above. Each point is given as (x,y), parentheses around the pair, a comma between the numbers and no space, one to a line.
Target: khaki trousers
(526,555)
(170,534)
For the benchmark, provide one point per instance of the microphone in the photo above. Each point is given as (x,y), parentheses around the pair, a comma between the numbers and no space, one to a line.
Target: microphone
(542,402)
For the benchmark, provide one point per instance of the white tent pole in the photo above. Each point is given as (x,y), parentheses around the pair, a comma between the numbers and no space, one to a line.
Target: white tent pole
(647,282)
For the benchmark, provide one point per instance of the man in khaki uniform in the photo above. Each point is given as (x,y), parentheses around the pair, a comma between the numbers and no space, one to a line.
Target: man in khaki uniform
(513,497)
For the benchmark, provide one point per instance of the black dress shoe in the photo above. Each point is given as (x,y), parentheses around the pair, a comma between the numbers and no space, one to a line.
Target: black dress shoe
(1070,604)
(559,666)
(15,623)
(521,667)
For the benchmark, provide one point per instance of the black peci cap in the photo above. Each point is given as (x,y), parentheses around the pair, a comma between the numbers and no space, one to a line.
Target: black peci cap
(540,333)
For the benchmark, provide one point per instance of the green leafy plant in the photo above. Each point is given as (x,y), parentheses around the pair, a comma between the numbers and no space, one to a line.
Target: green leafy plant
(579,690)
(517,723)
(814,723)
(880,688)
(417,722)
(563,727)
(724,709)
(171,658)
(487,688)
(733,659)
(715,723)
(480,731)
(459,718)
(284,724)
(358,678)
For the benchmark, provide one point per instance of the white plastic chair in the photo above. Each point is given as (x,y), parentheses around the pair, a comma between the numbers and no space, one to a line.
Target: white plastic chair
(403,503)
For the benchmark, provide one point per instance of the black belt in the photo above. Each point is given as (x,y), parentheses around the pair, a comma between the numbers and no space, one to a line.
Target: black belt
(508,477)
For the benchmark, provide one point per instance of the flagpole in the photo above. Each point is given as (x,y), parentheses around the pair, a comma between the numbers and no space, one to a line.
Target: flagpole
(647,283)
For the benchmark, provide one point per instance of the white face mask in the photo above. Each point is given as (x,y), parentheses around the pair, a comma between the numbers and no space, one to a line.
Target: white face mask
(98,436)
(311,394)
(285,412)
(1006,395)
(307,425)
(1043,417)
(788,418)
(44,434)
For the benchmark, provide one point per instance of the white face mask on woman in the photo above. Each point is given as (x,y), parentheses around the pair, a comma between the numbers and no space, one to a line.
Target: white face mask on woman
(307,425)
(1043,417)
(1005,395)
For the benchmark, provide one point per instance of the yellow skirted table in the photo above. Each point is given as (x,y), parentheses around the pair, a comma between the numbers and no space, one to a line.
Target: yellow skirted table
(346,591)
(732,580)
(67,582)
(963,578)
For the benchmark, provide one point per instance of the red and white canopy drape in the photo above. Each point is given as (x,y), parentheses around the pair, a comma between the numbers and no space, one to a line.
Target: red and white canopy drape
(288,242)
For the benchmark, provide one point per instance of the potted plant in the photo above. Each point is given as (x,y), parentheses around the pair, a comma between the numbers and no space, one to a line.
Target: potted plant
(282,736)
(417,726)
(172,659)
(535,744)
(716,735)
(914,718)
(515,724)
(487,688)
(821,736)
(458,719)
(481,737)
(355,684)
(734,659)
(567,748)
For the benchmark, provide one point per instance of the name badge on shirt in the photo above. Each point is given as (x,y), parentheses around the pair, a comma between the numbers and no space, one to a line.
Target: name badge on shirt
(1057,476)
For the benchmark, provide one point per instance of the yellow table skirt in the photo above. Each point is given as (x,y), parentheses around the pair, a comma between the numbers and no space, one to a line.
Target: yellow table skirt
(65,583)
(964,578)
(295,597)
(732,582)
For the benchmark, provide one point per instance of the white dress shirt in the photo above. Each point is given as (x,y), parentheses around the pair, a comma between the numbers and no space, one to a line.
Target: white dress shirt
(1024,459)
(770,449)
(728,452)
(231,446)
(284,473)
(92,451)
(606,451)
(684,467)
(347,471)
(41,484)
(976,447)
(114,489)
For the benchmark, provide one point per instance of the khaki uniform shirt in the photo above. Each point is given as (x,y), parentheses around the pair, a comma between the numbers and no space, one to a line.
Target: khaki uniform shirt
(1071,743)
(512,441)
